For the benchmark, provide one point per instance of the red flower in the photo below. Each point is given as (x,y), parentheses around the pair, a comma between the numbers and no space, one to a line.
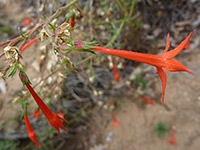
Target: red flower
(116,123)
(172,139)
(26,21)
(61,114)
(116,75)
(36,113)
(29,44)
(161,62)
(53,118)
(31,133)
(72,21)
(146,99)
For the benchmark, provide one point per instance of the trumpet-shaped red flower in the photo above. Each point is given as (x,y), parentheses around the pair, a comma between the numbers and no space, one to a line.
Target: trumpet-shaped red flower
(31,133)
(161,62)
(54,119)
(29,44)
(26,21)
(146,99)
(172,139)
(116,123)
(116,75)
(72,21)
(36,113)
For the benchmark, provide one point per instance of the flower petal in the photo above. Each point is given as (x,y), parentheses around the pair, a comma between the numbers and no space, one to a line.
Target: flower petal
(177,50)
(173,65)
(163,79)
(168,43)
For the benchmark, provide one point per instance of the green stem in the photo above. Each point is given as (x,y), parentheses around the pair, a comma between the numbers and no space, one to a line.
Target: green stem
(132,7)
(116,35)
(84,60)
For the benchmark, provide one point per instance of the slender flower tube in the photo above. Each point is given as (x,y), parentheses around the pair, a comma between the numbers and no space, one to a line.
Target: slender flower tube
(72,21)
(29,44)
(146,99)
(172,139)
(116,75)
(31,133)
(36,113)
(161,62)
(54,119)
(116,123)
(26,21)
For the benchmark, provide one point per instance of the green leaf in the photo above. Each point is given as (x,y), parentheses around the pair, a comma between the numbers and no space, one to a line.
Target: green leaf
(12,73)
(87,46)
(51,68)
(91,43)
(52,26)
(23,36)
(85,50)
(42,19)
(69,15)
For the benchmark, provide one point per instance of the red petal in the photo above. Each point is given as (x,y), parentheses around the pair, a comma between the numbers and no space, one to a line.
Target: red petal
(116,123)
(163,78)
(177,50)
(174,65)
(31,133)
(29,44)
(146,99)
(116,75)
(168,43)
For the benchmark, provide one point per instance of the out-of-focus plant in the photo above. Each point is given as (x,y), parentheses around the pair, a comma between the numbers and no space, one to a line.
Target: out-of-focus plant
(161,129)
(8,145)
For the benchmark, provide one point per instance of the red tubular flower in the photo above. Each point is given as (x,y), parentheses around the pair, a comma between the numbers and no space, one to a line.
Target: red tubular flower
(146,99)
(116,123)
(53,118)
(29,44)
(72,21)
(26,21)
(116,75)
(172,139)
(36,113)
(31,133)
(161,62)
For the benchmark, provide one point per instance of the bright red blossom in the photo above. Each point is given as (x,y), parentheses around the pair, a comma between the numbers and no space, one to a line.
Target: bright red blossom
(146,99)
(116,75)
(172,139)
(36,113)
(116,123)
(54,119)
(161,62)
(29,44)
(26,21)
(72,21)
(31,133)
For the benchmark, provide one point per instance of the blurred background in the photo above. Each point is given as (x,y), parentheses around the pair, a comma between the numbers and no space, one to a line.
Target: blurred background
(89,95)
